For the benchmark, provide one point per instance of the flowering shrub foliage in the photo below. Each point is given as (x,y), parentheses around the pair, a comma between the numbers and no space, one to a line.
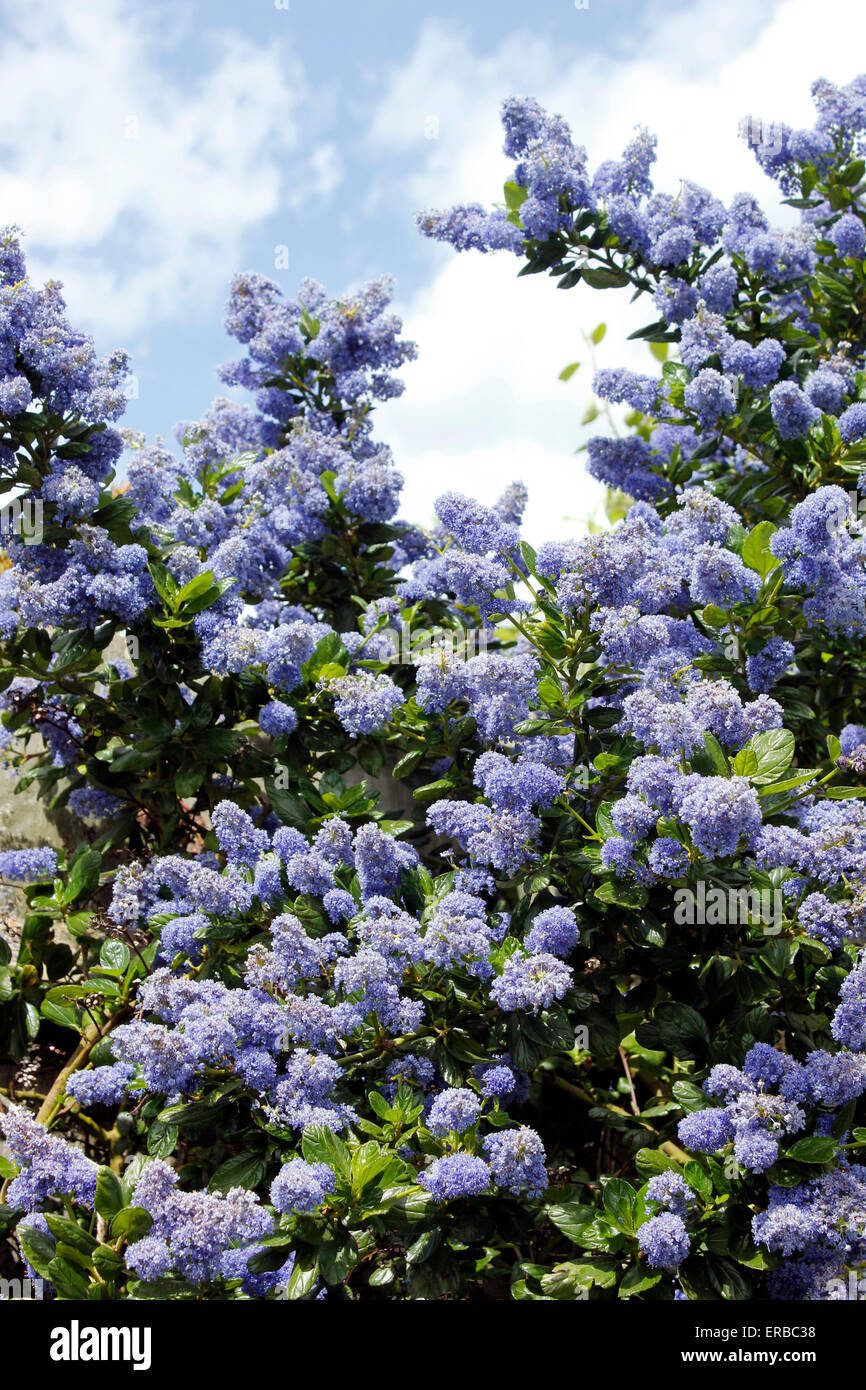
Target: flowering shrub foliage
(575,1007)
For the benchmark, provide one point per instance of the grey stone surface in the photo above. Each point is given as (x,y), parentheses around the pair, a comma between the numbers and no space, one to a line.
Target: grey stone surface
(24,820)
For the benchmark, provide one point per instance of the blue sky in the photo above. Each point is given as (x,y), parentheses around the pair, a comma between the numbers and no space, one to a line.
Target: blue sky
(150,151)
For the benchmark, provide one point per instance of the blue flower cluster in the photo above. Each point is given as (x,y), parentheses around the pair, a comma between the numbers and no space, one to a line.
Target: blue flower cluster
(28,865)
(501,834)
(764,1101)
(818,1227)
(49,1166)
(306,998)
(614,738)
(193,1234)
(301,1186)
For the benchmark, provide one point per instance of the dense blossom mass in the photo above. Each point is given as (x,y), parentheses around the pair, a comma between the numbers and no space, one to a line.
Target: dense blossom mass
(454,916)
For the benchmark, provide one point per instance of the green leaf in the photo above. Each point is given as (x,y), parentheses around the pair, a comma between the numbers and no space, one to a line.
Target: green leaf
(273,1257)
(756,552)
(286,805)
(322,1145)
(56,1013)
(745,764)
(601,278)
(699,1180)
(682,1029)
(714,616)
(572,1218)
(773,751)
(369,1162)
(199,585)
(649,1162)
(109,1193)
(727,1280)
(689,1095)
(619,1201)
(621,894)
(422,1248)
(381,1107)
(108,1263)
(188,780)
(69,1281)
(337,1259)
(559,1282)
(717,755)
(70,1233)
(37,1248)
(568,372)
(209,597)
(303,1280)
(570,279)
(131,1222)
(637,1280)
(515,196)
(244,1170)
(161,1139)
(188,1114)
(396,827)
(747,1254)
(329,651)
(433,789)
(788,784)
(583,1274)
(603,820)
(83,876)
(114,955)
(164,581)
(814,1149)
(115,515)
(407,763)
(529,556)
(64,994)
(160,1289)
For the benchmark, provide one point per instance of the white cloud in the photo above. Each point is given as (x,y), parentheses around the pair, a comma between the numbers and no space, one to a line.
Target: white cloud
(324,175)
(483,403)
(140,180)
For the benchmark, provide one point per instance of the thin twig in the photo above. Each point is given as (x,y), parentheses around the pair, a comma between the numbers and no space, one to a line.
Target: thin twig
(635,1108)
(89,1038)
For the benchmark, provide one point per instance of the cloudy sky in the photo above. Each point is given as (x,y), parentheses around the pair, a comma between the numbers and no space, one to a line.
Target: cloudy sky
(149,151)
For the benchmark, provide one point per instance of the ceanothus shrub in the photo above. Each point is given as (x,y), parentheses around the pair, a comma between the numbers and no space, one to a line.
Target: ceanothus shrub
(579,1010)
